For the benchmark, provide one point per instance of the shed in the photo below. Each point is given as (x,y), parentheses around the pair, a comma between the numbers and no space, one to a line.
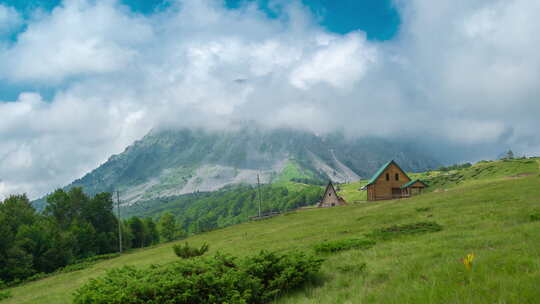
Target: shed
(331,198)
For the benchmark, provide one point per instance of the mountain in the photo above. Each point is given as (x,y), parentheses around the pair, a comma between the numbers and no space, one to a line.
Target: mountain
(175,162)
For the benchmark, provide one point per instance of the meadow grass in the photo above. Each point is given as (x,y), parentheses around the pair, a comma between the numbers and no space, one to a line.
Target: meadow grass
(490,219)
(290,171)
(480,172)
(350,192)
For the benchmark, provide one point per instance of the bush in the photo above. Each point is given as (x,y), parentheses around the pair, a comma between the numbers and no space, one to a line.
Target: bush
(277,273)
(535,217)
(218,279)
(186,252)
(408,229)
(4,295)
(335,246)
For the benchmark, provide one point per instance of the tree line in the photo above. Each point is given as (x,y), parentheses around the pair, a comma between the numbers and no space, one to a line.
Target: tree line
(72,227)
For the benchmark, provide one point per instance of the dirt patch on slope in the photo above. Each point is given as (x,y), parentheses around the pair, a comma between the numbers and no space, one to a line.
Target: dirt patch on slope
(519,175)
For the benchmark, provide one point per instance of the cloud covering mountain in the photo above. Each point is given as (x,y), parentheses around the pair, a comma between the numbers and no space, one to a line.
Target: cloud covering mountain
(462,73)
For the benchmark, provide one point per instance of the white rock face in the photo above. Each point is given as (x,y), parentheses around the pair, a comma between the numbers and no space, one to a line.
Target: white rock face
(205,178)
(215,177)
(338,173)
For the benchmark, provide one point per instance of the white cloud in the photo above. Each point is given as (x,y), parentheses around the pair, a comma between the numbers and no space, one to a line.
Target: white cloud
(460,72)
(340,62)
(78,38)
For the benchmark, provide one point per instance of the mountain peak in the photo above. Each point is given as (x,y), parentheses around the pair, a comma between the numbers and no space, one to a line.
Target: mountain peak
(169,162)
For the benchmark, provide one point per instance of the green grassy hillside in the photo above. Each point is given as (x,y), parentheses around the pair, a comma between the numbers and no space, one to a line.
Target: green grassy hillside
(479,172)
(490,218)
(351,192)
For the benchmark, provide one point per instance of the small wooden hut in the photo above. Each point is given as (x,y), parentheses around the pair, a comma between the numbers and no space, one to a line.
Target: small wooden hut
(391,182)
(331,198)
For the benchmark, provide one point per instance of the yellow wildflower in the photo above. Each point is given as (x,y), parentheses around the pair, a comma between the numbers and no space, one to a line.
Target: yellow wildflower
(468,261)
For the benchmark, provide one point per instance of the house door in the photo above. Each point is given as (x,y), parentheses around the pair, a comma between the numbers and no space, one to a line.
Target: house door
(396,192)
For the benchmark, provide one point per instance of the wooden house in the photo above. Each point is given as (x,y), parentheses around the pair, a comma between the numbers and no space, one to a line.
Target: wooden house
(331,198)
(391,182)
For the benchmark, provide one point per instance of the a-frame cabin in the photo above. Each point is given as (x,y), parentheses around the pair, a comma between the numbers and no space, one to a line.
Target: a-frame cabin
(391,182)
(331,198)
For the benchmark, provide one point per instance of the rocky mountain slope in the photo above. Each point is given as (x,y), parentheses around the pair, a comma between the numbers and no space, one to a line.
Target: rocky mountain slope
(167,163)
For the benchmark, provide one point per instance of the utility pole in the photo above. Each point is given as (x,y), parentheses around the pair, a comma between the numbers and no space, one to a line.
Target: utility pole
(119,221)
(260,196)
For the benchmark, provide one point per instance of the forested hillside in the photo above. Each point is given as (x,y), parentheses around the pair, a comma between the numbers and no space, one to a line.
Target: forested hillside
(73,231)
(203,211)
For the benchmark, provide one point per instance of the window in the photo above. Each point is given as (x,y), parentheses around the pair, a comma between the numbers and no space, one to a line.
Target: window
(397,176)
(387,176)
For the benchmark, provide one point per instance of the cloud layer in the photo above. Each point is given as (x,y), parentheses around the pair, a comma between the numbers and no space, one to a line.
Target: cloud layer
(460,73)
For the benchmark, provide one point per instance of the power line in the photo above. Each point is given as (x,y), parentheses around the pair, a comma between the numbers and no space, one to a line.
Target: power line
(119,221)
(260,196)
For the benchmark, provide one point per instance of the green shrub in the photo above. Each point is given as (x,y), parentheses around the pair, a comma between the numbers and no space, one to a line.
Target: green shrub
(335,246)
(277,273)
(185,251)
(408,229)
(535,217)
(4,295)
(218,279)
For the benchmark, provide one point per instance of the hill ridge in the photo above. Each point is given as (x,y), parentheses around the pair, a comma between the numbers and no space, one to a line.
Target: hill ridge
(174,162)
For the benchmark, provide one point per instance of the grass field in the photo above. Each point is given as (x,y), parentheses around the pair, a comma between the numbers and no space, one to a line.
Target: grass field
(479,172)
(490,217)
(350,192)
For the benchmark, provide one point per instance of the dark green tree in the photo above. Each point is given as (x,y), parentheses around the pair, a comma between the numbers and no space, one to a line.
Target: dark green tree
(49,246)
(15,212)
(86,239)
(152,234)
(168,228)
(136,226)
(99,212)
(61,206)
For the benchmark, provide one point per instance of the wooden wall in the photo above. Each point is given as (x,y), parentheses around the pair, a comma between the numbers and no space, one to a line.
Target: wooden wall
(382,188)
(330,198)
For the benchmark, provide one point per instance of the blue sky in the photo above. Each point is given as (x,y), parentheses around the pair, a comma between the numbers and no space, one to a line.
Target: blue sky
(378,18)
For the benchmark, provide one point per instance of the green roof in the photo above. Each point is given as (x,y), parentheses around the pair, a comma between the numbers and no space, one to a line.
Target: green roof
(379,172)
(412,183)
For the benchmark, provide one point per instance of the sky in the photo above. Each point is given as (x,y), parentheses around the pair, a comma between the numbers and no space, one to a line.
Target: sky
(80,80)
